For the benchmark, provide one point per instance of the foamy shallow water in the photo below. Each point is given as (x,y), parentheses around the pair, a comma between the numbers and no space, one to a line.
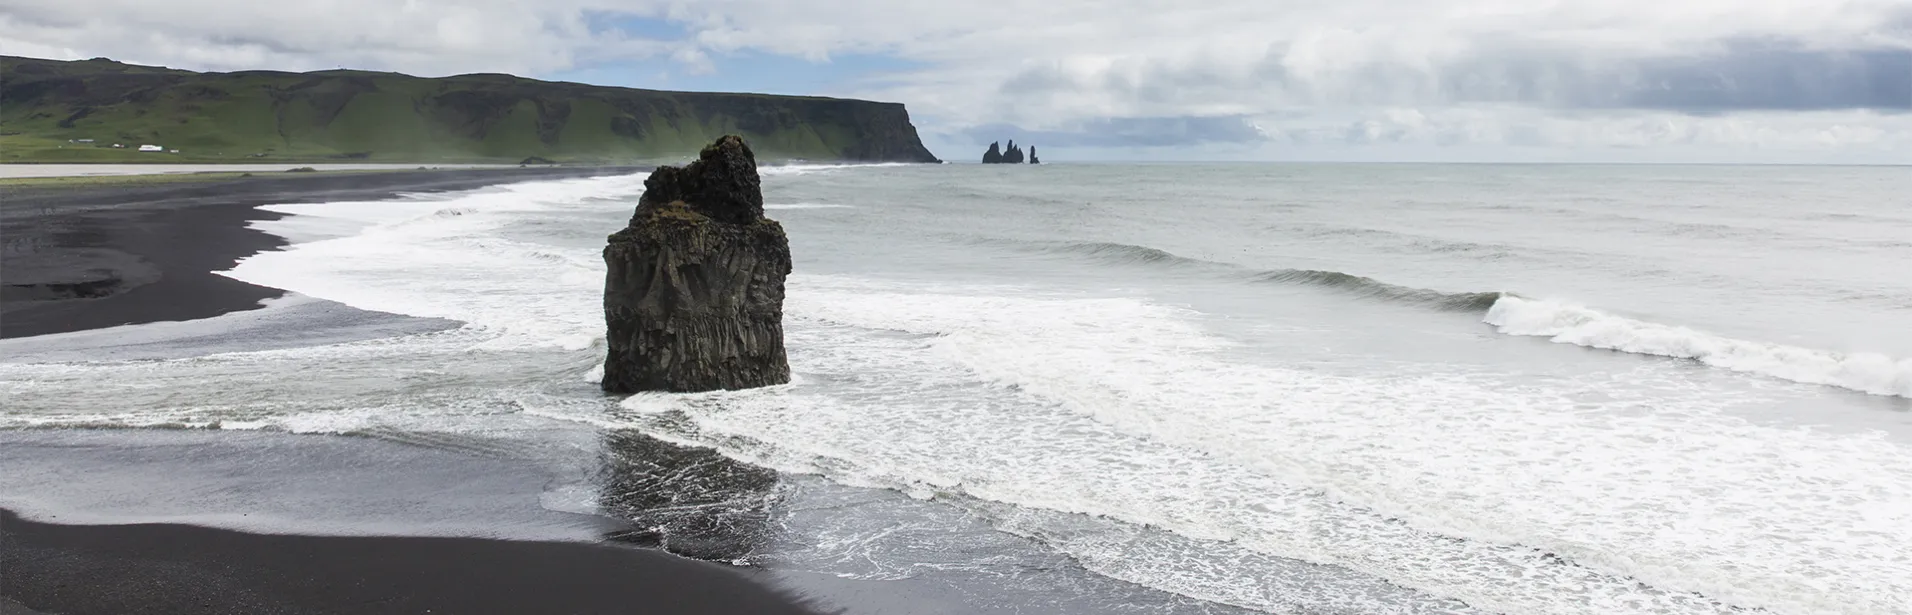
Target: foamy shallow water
(1178,408)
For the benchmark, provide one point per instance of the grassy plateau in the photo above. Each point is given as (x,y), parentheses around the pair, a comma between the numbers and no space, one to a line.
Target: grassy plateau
(50,109)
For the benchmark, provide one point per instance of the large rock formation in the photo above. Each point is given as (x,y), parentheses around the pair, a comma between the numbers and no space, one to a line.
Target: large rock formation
(1032,156)
(693,300)
(994,155)
(1010,154)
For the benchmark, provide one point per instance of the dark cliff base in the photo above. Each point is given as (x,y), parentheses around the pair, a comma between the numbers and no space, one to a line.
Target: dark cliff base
(168,569)
(86,257)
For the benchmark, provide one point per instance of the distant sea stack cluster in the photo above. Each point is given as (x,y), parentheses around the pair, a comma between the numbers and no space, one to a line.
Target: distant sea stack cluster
(693,294)
(1012,154)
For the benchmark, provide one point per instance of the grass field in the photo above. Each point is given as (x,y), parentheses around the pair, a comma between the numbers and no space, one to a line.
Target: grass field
(359,116)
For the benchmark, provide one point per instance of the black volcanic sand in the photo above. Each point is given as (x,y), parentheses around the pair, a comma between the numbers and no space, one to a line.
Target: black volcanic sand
(152,568)
(401,522)
(87,257)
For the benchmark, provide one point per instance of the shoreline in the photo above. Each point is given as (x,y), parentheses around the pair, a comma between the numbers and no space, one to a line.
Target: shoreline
(191,521)
(128,252)
(195,521)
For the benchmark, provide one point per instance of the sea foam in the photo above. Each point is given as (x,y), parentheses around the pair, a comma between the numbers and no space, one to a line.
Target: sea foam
(1873,373)
(1512,499)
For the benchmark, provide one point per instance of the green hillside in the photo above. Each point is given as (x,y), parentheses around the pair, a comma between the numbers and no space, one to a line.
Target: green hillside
(48,107)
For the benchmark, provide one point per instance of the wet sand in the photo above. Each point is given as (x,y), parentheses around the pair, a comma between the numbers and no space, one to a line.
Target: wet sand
(158,568)
(129,521)
(91,256)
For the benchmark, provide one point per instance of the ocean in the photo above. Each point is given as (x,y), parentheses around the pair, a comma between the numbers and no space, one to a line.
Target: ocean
(1156,388)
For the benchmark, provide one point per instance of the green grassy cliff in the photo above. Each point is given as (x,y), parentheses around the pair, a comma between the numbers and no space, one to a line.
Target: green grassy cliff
(48,107)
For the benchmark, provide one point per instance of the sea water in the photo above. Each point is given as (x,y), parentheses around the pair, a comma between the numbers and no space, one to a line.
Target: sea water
(1175,387)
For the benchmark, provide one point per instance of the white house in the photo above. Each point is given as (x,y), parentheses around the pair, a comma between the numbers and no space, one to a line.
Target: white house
(151,148)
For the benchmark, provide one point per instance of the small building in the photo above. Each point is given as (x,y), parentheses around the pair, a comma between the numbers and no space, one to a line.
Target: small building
(172,151)
(151,148)
(119,146)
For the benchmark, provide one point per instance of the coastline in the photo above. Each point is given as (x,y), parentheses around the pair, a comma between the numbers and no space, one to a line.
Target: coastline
(161,520)
(209,521)
(127,522)
(87,257)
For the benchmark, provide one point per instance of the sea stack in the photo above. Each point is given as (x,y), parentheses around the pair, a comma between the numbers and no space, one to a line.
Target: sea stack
(1008,154)
(693,298)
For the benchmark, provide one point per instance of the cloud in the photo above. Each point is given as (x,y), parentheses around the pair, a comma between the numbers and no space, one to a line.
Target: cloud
(1141,73)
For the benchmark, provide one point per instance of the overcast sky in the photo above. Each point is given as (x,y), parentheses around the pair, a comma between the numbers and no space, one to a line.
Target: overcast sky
(1516,80)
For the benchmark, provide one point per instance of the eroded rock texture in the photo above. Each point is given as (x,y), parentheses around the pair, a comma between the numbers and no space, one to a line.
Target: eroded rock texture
(693,298)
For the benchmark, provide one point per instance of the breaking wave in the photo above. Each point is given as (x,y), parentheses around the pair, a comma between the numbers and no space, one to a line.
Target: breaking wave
(1513,314)
(1347,283)
(1371,288)
(1872,373)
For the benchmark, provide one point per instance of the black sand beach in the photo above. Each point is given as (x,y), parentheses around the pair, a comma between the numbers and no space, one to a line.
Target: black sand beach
(92,256)
(480,543)
(157,568)
(333,524)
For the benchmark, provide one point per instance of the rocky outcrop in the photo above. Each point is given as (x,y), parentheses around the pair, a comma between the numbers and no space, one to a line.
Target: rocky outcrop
(1032,156)
(693,298)
(1010,154)
(994,155)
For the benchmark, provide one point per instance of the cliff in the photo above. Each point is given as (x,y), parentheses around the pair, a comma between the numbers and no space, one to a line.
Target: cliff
(693,294)
(49,108)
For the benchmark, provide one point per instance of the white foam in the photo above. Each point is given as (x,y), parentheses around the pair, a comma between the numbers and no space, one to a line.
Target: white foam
(806,169)
(1125,410)
(441,256)
(1873,373)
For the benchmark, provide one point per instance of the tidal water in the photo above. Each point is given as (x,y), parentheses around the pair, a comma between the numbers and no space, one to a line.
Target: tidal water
(1170,388)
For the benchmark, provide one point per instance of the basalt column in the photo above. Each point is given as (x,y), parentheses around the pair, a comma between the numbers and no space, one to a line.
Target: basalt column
(693,298)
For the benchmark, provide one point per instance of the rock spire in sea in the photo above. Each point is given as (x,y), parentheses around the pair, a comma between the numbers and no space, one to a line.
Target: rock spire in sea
(693,298)
(1010,154)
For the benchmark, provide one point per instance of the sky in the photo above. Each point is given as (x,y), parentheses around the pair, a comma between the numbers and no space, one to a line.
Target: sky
(1766,81)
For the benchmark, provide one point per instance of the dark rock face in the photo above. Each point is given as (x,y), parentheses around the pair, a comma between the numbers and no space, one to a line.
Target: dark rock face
(1032,156)
(993,156)
(693,299)
(1011,154)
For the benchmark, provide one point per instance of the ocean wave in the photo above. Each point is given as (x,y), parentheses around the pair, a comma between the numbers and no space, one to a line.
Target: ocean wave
(1371,288)
(805,169)
(807,206)
(1513,314)
(1347,283)
(1872,373)
(1123,253)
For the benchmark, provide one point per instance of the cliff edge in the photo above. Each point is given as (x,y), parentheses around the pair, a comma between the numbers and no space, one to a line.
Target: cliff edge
(100,110)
